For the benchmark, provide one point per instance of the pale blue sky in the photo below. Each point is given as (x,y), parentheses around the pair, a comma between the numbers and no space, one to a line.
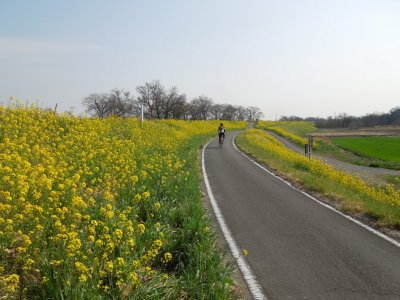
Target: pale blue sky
(306,58)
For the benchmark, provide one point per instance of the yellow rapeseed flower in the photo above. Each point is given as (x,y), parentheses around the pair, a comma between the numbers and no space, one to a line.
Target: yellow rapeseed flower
(141,228)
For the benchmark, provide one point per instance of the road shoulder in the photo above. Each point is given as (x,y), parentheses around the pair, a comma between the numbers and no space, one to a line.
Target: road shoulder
(241,289)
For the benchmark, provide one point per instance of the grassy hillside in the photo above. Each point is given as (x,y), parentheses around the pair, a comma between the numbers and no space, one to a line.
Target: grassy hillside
(294,131)
(105,209)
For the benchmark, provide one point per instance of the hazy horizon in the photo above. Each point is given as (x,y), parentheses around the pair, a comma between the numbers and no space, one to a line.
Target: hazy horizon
(308,58)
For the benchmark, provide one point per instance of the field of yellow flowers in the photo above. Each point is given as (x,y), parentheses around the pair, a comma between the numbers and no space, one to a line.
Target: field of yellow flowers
(295,131)
(352,193)
(104,209)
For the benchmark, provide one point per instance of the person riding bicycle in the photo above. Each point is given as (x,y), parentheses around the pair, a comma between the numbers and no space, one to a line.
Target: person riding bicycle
(221,133)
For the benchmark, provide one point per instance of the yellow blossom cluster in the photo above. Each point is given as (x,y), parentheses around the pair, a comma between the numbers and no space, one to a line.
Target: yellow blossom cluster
(279,127)
(82,199)
(388,195)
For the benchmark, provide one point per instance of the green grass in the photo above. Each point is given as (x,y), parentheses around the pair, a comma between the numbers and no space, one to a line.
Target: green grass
(383,148)
(199,262)
(327,148)
(300,128)
(294,131)
(393,180)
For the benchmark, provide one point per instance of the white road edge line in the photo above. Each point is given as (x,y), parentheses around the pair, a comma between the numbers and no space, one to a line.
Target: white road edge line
(248,274)
(376,232)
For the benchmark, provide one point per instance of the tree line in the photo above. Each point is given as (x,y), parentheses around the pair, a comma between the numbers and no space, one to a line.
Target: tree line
(161,103)
(344,120)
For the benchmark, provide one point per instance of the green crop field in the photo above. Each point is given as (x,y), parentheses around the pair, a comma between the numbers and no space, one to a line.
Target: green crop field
(384,148)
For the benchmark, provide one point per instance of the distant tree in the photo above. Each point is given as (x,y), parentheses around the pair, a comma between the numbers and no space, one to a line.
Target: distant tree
(152,96)
(370,120)
(175,105)
(98,105)
(216,111)
(241,113)
(344,120)
(117,102)
(394,116)
(122,103)
(200,108)
(228,112)
(254,113)
(356,123)
(159,103)
(291,118)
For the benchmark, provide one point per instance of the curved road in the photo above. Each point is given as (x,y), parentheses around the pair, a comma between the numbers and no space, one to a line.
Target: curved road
(366,173)
(298,249)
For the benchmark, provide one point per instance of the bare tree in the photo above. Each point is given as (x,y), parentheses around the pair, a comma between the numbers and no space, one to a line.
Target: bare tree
(216,111)
(241,113)
(200,108)
(228,112)
(117,102)
(159,103)
(254,113)
(98,105)
(152,97)
(122,102)
(175,105)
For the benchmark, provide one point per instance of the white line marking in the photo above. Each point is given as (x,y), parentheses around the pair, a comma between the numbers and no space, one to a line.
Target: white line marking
(248,274)
(376,232)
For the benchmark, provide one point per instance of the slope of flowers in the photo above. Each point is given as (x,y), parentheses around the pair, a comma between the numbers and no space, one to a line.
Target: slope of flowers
(257,139)
(88,207)
(291,130)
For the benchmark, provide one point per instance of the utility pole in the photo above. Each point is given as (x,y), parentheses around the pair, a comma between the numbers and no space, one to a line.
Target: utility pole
(310,145)
(142,113)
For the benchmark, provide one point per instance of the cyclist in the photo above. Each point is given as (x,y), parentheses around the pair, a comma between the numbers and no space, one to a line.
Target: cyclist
(221,134)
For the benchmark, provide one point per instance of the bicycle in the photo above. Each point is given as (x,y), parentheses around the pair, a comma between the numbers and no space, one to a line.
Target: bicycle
(221,134)
(221,140)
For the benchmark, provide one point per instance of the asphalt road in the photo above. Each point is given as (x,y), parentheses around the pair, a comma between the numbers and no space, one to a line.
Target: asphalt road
(298,249)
